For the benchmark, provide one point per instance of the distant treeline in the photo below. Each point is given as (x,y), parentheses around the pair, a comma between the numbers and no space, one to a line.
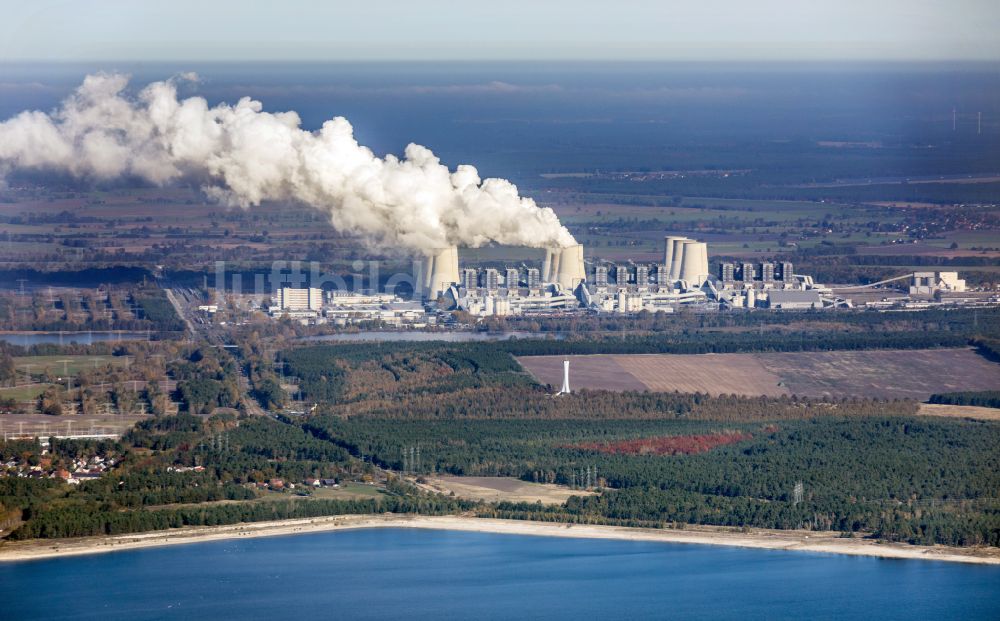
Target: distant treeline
(728,342)
(981,398)
(774,185)
(968,322)
(88,519)
(318,364)
(918,260)
(989,348)
(90,277)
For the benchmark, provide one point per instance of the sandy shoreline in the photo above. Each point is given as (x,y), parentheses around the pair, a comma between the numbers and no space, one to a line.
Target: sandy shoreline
(803,541)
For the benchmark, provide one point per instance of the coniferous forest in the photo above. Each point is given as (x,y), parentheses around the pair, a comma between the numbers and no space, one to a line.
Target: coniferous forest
(857,466)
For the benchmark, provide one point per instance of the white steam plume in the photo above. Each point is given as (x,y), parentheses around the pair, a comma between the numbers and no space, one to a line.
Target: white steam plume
(245,155)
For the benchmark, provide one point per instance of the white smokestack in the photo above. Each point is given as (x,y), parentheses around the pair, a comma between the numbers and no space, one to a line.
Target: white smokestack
(565,387)
(244,156)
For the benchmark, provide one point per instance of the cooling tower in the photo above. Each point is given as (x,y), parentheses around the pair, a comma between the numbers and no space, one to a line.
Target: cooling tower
(677,258)
(694,263)
(702,261)
(550,264)
(568,269)
(440,271)
(670,242)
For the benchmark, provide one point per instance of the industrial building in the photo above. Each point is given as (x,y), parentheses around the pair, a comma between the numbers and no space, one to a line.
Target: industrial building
(567,284)
(342,308)
(794,299)
(765,272)
(926,290)
(290,300)
(929,283)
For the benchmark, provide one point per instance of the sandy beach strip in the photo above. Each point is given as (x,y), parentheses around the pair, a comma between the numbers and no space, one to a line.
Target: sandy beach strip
(802,541)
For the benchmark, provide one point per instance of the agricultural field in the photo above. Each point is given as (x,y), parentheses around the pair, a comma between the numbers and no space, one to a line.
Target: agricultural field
(27,392)
(872,374)
(502,489)
(72,312)
(54,366)
(43,425)
(175,228)
(348,491)
(959,411)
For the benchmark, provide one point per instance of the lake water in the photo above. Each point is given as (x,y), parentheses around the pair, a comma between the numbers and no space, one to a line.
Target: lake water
(451,337)
(423,574)
(27,339)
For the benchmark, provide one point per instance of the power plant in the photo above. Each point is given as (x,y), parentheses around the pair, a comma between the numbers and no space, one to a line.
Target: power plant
(564,266)
(565,283)
(439,271)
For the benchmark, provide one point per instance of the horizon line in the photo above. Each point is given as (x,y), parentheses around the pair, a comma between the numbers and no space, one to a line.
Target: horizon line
(706,61)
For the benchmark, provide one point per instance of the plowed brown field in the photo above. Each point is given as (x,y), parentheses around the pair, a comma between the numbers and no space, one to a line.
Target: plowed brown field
(884,374)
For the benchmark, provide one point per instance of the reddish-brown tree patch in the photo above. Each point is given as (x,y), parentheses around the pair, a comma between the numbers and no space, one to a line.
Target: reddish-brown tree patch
(666,445)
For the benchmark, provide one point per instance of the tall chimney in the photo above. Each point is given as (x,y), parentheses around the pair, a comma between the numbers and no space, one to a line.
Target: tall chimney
(565,386)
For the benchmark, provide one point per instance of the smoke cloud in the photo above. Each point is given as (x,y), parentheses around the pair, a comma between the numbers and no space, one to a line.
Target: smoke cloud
(244,156)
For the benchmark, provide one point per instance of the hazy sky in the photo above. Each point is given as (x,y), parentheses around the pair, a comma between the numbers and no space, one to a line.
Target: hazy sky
(210,30)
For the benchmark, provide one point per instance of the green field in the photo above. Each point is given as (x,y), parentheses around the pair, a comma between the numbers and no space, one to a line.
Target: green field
(349,490)
(23,393)
(53,365)
(346,491)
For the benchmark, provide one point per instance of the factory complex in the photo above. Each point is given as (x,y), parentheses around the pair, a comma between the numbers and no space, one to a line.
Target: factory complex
(564,283)
(683,277)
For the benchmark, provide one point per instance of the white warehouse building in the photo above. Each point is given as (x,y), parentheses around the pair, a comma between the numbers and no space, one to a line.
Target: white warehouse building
(291,299)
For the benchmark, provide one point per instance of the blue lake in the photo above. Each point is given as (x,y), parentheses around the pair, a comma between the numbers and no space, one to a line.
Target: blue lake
(421,574)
